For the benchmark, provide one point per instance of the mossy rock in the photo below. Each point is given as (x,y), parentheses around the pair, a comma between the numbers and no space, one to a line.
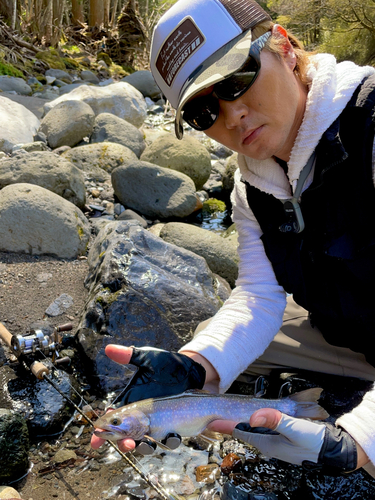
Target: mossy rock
(51,58)
(213,205)
(70,63)
(9,69)
(103,56)
(117,70)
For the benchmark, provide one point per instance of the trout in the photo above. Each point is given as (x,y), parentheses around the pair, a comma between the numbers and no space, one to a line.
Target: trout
(189,413)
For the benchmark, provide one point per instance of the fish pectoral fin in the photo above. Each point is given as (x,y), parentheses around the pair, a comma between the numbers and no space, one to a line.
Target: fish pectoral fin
(157,442)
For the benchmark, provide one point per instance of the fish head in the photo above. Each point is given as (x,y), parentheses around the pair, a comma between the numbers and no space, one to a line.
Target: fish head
(121,424)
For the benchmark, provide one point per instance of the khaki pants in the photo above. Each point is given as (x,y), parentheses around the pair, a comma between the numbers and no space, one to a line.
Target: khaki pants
(299,345)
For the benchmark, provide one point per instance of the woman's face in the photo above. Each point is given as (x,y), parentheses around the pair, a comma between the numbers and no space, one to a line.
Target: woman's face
(264,122)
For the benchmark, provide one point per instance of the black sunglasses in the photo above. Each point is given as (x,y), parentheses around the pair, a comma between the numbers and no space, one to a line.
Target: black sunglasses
(202,112)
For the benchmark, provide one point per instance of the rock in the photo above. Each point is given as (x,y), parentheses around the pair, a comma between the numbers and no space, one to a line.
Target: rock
(100,158)
(231,234)
(187,156)
(63,455)
(144,82)
(154,191)
(231,166)
(68,123)
(120,99)
(220,254)
(111,128)
(59,74)
(70,86)
(31,147)
(17,124)
(103,155)
(36,221)
(6,492)
(60,305)
(143,291)
(89,76)
(48,171)
(14,446)
(12,83)
(130,215)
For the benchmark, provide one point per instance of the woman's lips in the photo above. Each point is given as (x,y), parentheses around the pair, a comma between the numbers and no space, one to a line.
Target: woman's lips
(252,135)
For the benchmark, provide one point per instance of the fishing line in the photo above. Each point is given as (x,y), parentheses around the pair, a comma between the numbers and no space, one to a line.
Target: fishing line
(150,481)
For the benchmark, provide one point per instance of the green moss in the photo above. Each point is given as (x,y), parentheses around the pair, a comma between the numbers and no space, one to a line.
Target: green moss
(70,63)
(107,298)
(213,205)
(117,70)
(52,58)
(9,69)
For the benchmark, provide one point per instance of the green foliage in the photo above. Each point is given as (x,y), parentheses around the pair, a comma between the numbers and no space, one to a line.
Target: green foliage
(9,69)
(345,28)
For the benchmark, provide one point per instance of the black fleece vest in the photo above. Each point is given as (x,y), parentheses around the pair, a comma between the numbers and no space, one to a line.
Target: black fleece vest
(330,266)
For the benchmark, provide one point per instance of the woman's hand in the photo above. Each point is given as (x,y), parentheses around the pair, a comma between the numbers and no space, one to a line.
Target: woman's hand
(314,445)
(160,373)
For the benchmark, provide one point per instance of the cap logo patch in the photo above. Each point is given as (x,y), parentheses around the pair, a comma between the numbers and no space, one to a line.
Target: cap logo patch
(178,47)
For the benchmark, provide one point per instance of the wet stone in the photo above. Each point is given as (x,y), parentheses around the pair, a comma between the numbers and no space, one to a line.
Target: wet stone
(207,473)
(231,463)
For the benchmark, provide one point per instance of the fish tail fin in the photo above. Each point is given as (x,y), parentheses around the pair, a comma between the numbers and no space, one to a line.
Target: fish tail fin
(307,404)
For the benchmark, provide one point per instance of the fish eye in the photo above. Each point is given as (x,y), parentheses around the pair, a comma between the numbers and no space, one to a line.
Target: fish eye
(115,421)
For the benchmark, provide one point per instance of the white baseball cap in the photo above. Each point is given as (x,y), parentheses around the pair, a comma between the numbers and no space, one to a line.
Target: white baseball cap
(198,43)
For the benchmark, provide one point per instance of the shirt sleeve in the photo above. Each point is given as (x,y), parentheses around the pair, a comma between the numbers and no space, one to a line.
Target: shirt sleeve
(248,321)
(360,423)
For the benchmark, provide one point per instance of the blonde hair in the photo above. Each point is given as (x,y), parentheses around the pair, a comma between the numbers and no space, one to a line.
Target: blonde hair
(276,46)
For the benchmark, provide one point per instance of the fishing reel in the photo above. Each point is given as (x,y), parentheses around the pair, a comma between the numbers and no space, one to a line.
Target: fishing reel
(37,342)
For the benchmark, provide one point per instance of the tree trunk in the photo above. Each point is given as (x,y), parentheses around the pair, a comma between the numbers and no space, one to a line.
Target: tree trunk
(8,9)
(96,16)
(114,13)
(106,5)
(78,13)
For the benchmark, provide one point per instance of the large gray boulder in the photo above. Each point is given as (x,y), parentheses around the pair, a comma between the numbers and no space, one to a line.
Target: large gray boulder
(120,99)
(48,171)
(154,191)
(143,291)
(68,123)
(17,124)
(36,221)
(14,84)
(188,156)
(111,128)
(220,253)
(102,157)
(144,82)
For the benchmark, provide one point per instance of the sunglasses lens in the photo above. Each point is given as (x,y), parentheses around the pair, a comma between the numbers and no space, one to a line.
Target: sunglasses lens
(233,87)
(202,112)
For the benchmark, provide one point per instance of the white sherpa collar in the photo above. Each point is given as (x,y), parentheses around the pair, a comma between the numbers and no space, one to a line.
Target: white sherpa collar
(332,86)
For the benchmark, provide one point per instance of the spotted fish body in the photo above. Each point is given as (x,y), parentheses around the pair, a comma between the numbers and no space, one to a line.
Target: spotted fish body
(189,413)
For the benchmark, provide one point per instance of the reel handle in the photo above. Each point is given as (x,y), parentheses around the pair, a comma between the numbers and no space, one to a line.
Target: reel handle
(5,335)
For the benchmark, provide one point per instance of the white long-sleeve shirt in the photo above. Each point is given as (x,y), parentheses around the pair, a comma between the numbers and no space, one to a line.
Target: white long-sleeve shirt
(248,321)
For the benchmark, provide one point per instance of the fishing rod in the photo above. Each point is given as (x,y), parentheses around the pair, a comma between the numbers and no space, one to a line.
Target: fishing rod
(45,344)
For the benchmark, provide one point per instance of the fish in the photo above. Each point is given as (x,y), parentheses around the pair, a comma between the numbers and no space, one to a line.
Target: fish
(189,413)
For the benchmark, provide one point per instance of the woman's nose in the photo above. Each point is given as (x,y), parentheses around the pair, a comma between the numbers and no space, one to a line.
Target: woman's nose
(233,112)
